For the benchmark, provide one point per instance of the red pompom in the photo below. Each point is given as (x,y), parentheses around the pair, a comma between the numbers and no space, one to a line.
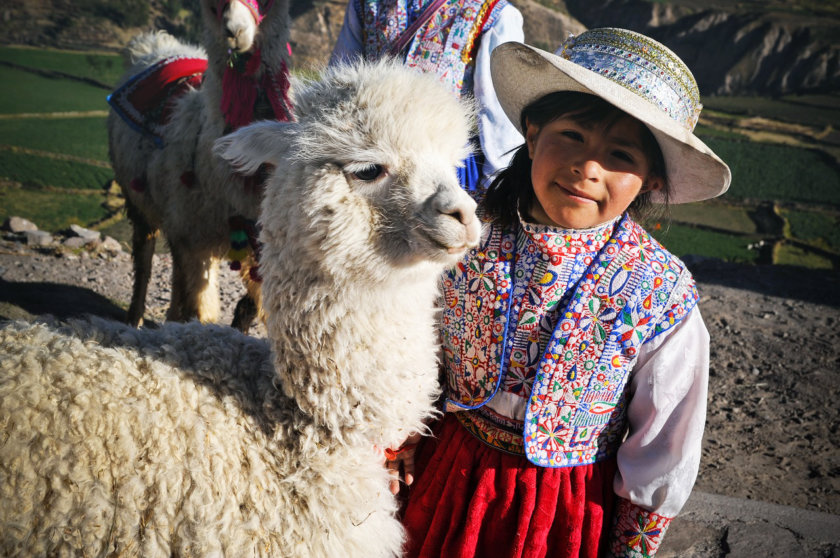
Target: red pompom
(188,179)
(138,184)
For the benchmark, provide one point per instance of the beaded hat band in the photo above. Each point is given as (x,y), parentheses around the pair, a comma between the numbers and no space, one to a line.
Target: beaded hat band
(637,75)
(640,64)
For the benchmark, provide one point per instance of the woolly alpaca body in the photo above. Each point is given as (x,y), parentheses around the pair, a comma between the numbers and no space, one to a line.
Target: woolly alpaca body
(198,440)
(184,190)
(137,443)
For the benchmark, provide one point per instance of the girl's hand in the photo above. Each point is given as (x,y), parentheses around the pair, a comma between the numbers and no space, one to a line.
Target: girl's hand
(402,458)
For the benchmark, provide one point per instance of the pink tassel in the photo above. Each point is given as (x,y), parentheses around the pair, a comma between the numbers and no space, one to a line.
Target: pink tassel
(253,63)
(276,86)
(188,179)
(138,184)
(239,93)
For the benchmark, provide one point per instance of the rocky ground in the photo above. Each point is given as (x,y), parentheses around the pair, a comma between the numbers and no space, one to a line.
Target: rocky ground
(774,397)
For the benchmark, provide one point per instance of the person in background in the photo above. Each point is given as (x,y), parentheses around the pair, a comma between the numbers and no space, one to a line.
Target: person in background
(452,39)
(575,357)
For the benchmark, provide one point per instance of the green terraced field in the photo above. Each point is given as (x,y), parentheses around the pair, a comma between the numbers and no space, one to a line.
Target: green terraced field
(105,68)
(684,240)
(80,137)
(787,254)
(814,227)
(25,92)
(53,211)
(714,215)
(763,171)
(36,172)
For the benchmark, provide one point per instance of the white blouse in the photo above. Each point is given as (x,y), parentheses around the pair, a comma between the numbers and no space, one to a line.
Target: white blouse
(659,459)
(497,135)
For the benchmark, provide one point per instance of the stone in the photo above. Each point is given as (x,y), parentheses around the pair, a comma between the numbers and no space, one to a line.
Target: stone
(19,225)
(87,234)
(74,242)
(38,238)
(111,244)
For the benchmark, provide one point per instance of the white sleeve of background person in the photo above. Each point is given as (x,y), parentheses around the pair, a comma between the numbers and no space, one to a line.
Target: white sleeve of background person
(497,134)
(659,460)
(349,42)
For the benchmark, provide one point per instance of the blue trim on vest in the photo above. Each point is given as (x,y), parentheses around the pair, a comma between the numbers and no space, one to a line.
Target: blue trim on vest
(469,176)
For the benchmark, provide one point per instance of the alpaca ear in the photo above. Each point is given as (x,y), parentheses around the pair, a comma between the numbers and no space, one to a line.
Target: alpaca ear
(250,146)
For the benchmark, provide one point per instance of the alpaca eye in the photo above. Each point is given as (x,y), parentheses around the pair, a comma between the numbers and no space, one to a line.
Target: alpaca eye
(369,173)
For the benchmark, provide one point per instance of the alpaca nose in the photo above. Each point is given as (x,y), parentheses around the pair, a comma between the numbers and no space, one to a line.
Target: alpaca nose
(458,206)
(453,202)
(462,213)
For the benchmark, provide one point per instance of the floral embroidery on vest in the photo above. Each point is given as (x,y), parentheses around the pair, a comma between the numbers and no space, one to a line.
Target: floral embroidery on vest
(631,291)
(445,45)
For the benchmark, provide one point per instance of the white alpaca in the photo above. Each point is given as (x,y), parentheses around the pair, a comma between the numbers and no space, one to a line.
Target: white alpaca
(178,186)
(197,440)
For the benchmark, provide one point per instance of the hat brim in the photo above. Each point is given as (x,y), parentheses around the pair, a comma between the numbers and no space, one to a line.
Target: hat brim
(523,74)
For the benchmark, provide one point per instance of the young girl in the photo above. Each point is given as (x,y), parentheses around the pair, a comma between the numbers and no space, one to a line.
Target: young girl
(575,356)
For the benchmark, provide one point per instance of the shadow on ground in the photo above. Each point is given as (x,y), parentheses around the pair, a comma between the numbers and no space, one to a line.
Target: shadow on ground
(817,286)
(27,300)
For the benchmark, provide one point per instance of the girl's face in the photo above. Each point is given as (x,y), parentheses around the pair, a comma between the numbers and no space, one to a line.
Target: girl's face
(584,175)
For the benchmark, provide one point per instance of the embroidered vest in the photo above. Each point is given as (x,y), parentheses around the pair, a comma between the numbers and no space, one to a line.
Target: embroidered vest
(445,45)
(632,291)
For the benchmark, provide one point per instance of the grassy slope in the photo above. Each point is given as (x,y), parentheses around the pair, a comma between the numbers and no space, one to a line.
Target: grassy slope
(39,182)
(25,92)
(80,137)
(104,68)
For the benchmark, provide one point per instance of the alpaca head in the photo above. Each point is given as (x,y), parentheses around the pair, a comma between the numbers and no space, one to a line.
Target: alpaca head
(234,23)
(365,179)
(361,214)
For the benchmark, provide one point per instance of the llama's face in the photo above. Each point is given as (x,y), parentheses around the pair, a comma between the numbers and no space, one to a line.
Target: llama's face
(366,177)
(413,205)
(234,22)
(385,142)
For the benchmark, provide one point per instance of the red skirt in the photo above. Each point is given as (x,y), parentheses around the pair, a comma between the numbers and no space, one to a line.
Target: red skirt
(472,500)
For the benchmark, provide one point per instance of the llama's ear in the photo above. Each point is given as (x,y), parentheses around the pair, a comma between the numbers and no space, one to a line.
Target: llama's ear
(249,147)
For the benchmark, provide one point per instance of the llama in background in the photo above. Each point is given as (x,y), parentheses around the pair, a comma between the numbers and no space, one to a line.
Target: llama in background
(172,104)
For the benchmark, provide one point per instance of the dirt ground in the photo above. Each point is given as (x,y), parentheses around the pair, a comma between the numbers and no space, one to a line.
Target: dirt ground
(774,394)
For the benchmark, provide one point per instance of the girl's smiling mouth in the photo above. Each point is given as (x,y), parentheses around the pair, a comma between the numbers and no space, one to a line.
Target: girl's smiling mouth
(575,195)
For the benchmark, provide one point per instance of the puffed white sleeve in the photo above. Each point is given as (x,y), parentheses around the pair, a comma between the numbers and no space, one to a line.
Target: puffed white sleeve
(659,459)
(349,43)
(497,134)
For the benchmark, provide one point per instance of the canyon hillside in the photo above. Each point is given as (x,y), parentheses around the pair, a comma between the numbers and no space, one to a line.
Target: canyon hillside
(756,47)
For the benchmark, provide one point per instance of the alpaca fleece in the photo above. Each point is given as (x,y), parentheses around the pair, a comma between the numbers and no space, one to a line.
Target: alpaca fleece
(196,440)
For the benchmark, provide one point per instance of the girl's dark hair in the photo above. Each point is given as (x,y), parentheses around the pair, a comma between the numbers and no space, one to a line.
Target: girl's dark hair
(512,189)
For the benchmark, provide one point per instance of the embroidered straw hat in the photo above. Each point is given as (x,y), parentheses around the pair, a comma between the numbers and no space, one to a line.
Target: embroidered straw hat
(636,74)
